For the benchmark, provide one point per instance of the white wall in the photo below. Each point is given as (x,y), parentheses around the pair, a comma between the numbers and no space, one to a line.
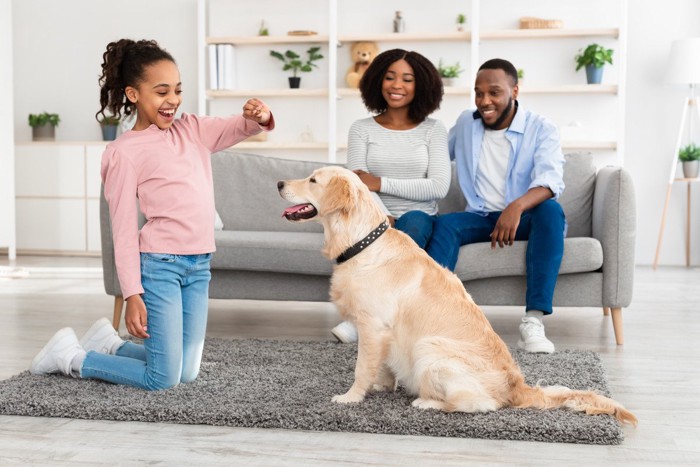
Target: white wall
(7,145)
(653,118)
(58,47)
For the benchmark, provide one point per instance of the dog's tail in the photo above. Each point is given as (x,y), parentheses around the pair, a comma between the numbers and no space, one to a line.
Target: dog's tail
(548,397)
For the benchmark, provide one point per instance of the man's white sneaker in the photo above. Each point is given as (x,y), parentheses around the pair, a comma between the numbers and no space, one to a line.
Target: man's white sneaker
(345,332)
(532,338)
(57,354)
(102,338)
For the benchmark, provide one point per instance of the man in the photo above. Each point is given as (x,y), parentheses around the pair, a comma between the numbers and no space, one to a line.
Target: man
(509,166)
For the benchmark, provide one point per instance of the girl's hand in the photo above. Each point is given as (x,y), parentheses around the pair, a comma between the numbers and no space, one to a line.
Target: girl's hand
(256,110)
(135,318)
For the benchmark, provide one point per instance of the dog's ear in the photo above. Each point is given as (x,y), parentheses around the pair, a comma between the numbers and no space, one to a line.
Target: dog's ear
(341,195)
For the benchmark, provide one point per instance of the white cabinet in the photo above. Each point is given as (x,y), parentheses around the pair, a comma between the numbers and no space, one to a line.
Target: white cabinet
(57,192)
(312,122)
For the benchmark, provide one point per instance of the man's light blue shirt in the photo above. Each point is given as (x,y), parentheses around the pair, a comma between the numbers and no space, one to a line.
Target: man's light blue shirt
(535,157)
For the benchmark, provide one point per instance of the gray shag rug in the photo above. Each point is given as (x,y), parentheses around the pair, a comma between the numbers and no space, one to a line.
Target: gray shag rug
(289,384)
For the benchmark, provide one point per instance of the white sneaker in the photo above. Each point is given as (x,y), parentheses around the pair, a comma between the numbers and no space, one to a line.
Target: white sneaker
(57,354)
(345,332)
(532,338)
(102,338)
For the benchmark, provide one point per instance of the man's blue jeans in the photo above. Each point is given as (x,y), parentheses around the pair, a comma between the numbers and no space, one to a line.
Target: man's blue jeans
(418,225)
(176,294)
(544,228)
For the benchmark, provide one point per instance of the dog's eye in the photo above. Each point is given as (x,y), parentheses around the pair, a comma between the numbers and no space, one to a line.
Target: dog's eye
(312,180)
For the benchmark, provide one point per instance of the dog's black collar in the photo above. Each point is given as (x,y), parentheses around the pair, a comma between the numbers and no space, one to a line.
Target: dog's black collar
(362,244)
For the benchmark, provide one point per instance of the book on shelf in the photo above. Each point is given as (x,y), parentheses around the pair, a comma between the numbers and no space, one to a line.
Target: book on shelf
(221,66)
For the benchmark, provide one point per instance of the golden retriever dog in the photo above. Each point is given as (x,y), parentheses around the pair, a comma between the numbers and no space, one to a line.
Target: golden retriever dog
(416,323)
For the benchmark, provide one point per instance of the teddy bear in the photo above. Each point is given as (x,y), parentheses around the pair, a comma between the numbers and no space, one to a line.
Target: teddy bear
(362,54)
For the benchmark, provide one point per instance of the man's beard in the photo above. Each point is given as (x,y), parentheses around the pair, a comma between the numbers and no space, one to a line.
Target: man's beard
(502,118)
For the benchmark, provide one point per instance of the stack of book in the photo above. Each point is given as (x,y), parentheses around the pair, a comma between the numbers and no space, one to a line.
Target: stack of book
(221,66)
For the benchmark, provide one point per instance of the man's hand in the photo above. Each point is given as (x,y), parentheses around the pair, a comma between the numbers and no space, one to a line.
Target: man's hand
(256,110)
(135,318)
(509,220)
(506,226)
(372,182)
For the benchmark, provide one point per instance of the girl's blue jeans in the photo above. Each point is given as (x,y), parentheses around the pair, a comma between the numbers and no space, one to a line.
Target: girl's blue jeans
(544,227)
(176,294)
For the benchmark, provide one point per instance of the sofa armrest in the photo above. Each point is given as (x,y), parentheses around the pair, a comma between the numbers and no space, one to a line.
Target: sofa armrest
(614,225)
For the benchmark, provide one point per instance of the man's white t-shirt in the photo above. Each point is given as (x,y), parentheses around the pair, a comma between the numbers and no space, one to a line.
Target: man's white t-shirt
(492,170)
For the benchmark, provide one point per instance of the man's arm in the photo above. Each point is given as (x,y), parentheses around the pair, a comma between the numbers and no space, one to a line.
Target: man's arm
(509,220)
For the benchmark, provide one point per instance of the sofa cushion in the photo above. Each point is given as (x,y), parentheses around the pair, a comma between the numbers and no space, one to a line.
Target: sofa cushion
(286,252)
(479,261)
(245,190)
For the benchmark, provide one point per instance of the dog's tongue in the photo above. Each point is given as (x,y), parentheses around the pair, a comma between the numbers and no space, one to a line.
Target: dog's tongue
(293,209)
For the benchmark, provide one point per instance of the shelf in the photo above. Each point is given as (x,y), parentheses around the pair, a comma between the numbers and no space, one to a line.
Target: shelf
(601,145)
(689,180)
(548,33)
(261,40)
(213,94)
(406,37)
(526,89)
(570,89)
(272,145)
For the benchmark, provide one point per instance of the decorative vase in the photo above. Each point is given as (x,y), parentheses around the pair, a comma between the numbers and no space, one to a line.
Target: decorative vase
(447,82)
(690,169)
(294,82)
(594,75)
(109,132)
(44,133)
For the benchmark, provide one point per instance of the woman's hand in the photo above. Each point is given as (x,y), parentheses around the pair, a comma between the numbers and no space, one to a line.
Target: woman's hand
(372,182)
(256,110)
(135,318)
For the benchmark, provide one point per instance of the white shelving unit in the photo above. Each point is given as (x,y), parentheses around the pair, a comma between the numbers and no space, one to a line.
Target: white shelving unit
(329,106)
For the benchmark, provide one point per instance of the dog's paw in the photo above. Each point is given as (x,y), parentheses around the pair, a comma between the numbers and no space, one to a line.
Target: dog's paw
(348,398)
(427,404)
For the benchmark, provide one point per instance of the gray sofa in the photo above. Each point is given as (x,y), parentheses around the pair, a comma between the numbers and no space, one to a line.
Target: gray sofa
(262,256)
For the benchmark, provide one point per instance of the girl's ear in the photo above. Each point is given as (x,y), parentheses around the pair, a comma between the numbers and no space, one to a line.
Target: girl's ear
(131,94)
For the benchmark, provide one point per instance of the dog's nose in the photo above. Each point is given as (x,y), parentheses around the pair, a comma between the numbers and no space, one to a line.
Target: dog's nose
(280,185)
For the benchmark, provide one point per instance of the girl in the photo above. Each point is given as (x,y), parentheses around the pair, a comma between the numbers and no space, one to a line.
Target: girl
(164,164)
(400,153)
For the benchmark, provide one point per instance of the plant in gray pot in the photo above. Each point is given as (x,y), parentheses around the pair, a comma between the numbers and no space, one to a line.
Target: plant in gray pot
(44,126)
(690,156)
(593,58)
(449,73)
(109,125)
(292,61)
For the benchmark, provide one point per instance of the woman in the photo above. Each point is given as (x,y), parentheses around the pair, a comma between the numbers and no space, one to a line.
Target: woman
(400,153)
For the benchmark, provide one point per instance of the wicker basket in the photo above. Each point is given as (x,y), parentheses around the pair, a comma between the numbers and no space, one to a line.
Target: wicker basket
(528,22)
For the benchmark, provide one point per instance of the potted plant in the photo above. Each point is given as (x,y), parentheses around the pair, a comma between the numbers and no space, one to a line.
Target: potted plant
(461,21)
(43,126)
(593,58)
(292,61)
(521,75)
(690,156)
(109,125)
(449,73)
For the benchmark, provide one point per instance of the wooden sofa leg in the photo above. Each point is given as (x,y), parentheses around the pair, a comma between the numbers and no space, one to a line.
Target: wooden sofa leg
(606,311)
(617,325)
(117,315)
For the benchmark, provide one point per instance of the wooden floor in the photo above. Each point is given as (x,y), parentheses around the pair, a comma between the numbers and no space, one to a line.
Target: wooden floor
(655,374)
